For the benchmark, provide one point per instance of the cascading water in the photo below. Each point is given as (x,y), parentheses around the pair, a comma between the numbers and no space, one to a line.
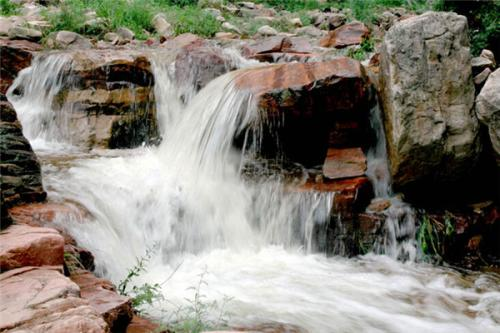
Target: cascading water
(253,239)
(398,239)
(32,94)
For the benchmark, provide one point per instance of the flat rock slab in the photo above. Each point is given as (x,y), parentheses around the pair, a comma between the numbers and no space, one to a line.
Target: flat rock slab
(349,34)
(41,299)
(102,296)
(344,163)
(22,245)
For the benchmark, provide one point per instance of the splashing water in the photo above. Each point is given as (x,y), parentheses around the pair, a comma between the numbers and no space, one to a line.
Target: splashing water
(32,94)
(253,238)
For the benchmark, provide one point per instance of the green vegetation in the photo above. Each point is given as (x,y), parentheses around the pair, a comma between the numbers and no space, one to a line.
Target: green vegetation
(8,8)
(195,318)
(133,14)
(432,236)
(361,53)
(142,294)
(484,22)
(72,262)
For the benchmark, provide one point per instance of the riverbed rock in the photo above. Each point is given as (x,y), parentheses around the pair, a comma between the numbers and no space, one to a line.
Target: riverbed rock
(427,95)
(16,55)
(41,299)
(22,245)
(19,32)
(102,296)
(266,30)
(349,34)
(109,97)
(162,27)
(344,163)
(488,55)
(310,99)
(488,109)
(21,180)
(68,40)
(195,66)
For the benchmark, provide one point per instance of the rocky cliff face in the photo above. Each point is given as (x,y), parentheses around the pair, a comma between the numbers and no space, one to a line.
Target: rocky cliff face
(21,181)
(428,95)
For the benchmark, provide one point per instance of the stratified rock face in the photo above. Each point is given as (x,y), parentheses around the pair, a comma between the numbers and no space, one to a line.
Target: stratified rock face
(427,94)
(16,55)
(310,107)
(110,98)
(22,245)
(40,300)
(488,109)
(21,181)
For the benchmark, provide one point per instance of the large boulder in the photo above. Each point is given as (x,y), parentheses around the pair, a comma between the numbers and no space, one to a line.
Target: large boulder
(427,95)
(488,110)
(22,245)
(41,299)
(16,55)
(21,180)
(110,99)
(310,107)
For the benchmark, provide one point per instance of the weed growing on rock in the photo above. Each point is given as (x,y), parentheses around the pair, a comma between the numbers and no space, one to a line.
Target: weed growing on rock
(140,294)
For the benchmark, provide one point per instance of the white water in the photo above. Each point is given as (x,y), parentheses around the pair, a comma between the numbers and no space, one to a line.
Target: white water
(253,240)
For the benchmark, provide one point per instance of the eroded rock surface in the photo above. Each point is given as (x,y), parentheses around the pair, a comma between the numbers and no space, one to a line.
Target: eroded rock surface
(311,101)
(427,95)
(488,110)
(22,245)
(16,55)
(21,180)
(41,300)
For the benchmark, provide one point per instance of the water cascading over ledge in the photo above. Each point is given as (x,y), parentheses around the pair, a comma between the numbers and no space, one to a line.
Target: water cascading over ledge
(187,196)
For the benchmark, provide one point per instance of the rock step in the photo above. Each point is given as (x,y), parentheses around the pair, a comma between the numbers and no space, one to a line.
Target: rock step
(344,163)
(22,245)
(43,300)
(101,294)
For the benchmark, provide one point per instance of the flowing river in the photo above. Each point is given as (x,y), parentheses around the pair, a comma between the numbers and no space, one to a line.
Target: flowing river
(240,250)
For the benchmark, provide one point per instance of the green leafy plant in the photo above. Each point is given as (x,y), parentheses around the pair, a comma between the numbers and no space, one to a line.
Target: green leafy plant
(193,20)
(72,262)
(433,234)
(140,294)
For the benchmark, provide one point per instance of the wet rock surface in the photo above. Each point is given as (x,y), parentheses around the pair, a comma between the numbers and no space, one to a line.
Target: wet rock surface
(21,180)
(314,99)
(16,55)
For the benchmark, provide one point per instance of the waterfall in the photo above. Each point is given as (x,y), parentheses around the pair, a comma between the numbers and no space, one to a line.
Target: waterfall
(252,237)
(33,93)
(398,238)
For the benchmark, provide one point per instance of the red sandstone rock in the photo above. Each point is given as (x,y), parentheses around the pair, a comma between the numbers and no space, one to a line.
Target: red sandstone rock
(16,55)
(304,102)
(349,34)
(344,163)
(143,325)
(102,296)
(41,300)
(22,245)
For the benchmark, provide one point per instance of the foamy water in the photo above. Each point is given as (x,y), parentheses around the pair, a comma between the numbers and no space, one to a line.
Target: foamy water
(252,241)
